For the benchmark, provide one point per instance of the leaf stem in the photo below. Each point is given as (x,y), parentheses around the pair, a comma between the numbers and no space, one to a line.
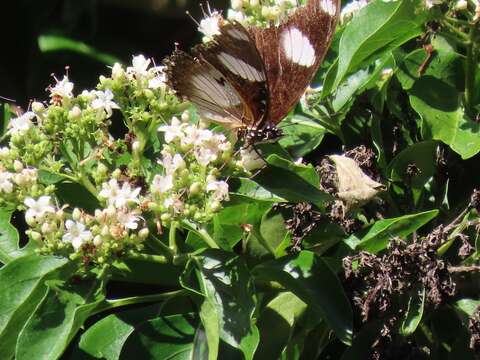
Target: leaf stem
(207,238)
(454,30)
(85,181)
(172,240)
(158,259)
(113,304)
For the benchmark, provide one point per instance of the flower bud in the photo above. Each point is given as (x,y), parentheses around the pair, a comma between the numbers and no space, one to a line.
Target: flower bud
(237,4)
(47,228)
(461,5)
(36,236)
(30,220)
(186,116)
(136,146)
(38,107)
(105,231)
(4,153)
(97,240)
(195,188)
(143,233)
(102,169)
(18,166)
(76,214)
(116,174)
(117,71)
(254,3)
(215,206)
(74,114)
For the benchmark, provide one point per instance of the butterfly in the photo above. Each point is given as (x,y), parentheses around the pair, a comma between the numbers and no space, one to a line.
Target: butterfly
(249,78)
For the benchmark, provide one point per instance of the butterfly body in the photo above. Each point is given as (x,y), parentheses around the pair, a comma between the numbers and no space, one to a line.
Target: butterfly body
(249,79)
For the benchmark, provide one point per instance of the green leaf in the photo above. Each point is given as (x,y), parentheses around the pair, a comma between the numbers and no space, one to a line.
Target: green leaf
(76,196)
(6,116)
(414,313)
(9,246)
(438,104)
(468,306)
(228,300)
(301,135)
(53,43)
(379,27)
(273,232)
(363,342)
(276,324)
(250,189)
(383,231)
(421,154)
(57,319)
(106,338)
(306,172)
(21,289)
(174,337)
(291,186)
(310,278)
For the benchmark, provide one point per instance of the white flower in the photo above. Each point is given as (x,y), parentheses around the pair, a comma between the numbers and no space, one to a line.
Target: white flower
(104,102)
(172,164)
(117,196)
(26,177)
(139,66)
(173,202)
(62,89)
(117,71)
(21,124)
(210,25)
(128,220)
(37,209)
(162,184)
(172,131)
(6,185)
(159,78)
(76,234)
(219,189)
(250,160)
(461,5)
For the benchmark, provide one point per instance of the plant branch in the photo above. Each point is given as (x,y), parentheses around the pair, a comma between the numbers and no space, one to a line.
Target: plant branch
(158,259)
(207,238)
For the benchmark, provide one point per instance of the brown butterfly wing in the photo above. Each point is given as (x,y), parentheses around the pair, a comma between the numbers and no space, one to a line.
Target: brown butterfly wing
(200,83)
(233,53)
(293,51)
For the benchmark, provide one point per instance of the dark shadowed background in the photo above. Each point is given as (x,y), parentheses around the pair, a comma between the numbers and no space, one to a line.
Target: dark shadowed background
(41,37)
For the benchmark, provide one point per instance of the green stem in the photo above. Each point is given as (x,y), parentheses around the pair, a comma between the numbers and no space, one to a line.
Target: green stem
(470,73)
(158,259)
(113,304)
(207,238)
(172,241)
(85,181)
(454,30)
(160,246)
(457,21)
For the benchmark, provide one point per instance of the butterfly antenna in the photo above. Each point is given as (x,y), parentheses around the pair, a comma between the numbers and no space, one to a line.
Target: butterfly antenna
(191,17)
(7,99)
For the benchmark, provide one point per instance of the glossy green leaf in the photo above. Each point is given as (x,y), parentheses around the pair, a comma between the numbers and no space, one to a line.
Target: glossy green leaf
(309,277)
(228,300)
(468,306)
(276,324)
(273,232)
(380,234)
(57,319)
(414,313)
(438,104)
(106,338)
(379,27)
(250,189)
(291,186)
(9,246)
(21,289)
(52,43)
(301,135)
(306,172)
(175,337)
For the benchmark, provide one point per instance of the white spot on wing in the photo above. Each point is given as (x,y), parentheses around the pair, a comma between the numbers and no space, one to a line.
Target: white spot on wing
(328,6)
(240,67)
(297,47)
(237,34)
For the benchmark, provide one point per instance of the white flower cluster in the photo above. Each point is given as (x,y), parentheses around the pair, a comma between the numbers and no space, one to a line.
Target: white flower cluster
(16,180)
(110,230)
(141,71)
(192,160)
(256,12)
